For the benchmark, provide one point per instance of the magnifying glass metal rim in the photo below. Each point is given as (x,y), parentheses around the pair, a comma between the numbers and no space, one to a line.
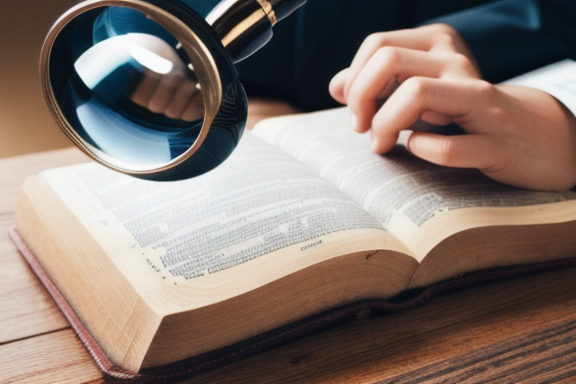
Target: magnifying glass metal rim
(207,71)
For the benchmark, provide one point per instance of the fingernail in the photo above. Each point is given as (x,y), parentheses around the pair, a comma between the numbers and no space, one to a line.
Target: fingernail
(354,121)
(375,144)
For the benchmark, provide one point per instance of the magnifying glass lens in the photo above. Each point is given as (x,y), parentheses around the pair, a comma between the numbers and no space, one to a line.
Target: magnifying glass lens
(126,87)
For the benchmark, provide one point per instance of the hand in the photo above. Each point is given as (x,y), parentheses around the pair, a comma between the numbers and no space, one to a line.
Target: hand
(173,95)
(157,77)
(385,60)
(167,91)
(516,135)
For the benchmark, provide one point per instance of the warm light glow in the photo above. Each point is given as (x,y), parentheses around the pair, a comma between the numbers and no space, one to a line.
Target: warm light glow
(151,60)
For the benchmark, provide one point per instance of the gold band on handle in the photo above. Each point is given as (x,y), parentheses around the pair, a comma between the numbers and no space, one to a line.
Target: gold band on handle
(269,10)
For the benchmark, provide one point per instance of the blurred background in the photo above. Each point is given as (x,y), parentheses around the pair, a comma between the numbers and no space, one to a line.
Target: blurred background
(25,123)
(287,68)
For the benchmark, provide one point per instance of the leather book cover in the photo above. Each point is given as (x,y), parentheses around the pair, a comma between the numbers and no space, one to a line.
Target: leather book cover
(189,368)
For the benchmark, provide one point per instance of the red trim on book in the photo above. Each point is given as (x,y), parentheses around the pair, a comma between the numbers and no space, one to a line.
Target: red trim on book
(85,337)
(196,365)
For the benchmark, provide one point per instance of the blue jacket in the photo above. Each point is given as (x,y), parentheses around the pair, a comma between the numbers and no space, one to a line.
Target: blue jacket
(511,37)
(507,37)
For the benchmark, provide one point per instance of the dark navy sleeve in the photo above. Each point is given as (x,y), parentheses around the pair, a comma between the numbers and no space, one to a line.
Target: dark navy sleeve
(313,44)
(511,37)
(507,37)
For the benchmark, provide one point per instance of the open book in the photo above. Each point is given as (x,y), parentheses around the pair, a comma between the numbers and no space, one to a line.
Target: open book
(301,219)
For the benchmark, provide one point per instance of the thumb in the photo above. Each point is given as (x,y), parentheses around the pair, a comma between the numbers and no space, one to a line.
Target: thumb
(461,151)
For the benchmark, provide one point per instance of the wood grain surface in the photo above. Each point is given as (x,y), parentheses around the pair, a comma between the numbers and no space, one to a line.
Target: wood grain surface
(518,330)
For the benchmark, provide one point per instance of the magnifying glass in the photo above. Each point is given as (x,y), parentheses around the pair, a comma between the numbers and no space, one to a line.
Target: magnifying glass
(148,87)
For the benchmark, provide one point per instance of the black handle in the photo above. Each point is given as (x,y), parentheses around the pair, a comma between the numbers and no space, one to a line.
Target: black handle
(283,8)
(240,32)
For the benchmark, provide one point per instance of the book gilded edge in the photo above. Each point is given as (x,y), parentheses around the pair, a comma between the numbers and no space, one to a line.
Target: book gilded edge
(188,368)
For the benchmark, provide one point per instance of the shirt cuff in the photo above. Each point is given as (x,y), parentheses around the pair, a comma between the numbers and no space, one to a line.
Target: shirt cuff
(558,79)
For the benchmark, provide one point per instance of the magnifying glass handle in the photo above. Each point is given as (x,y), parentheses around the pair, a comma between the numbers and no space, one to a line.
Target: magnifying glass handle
(244,26)
(283,8)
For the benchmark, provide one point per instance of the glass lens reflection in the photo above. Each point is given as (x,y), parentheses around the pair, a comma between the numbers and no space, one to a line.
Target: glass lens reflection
(131,91)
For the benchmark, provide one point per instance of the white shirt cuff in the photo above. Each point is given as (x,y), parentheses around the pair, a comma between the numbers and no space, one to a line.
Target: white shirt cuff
(558,79)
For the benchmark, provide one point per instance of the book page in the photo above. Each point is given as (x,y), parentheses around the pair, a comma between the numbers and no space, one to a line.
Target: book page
(400,190)
(258,201)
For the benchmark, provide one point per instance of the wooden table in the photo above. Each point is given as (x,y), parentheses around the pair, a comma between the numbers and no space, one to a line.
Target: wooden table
(519,330)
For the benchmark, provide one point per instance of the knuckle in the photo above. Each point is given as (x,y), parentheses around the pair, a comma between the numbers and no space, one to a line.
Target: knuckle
(442,29)
(374,40)
(417,87)
(446,152)
(462,62)
(458,65)
(485,89)
(443,33)
(499,116)
(389,56)
(498,113)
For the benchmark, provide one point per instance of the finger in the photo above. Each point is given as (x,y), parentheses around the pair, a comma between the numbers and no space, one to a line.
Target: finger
(180,99)
(377,80)
(164,92)
(467,102)
(462,151)
(144,91)
(435,118)
(420,39)
(195,108)
(464,101)
(336,86)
